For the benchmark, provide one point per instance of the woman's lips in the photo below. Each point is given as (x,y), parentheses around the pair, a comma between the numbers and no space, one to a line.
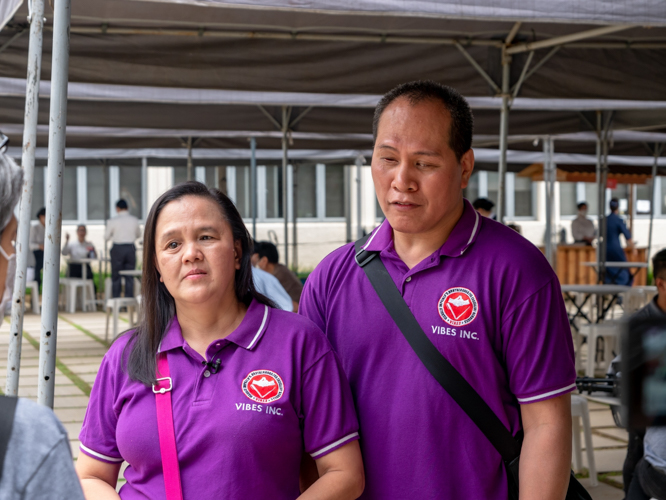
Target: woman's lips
(195,274)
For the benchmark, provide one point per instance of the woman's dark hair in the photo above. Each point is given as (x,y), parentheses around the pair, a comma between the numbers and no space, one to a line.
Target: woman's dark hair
(158,305)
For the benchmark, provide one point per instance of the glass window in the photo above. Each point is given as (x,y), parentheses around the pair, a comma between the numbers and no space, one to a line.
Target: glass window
(130,189)
(523,197)
(568,198)
(644,198)
(216,177)
(335,191)
(305,190)
(378,210)
(273,192)
(621,192)
(69,195)
(179,175)
(95,193)
(493,186)
(471,192)
(591,198)
(37,192)
(243,191)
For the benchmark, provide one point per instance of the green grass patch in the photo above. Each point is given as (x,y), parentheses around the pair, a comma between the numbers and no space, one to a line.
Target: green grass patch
(84,331)
(76,380)
(607,478)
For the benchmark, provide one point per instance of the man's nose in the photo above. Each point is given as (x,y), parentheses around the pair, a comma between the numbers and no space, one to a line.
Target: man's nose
(404,179)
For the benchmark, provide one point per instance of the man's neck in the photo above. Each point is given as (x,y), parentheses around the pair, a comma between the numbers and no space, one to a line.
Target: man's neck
(661,302)
(413,248)
(270,268)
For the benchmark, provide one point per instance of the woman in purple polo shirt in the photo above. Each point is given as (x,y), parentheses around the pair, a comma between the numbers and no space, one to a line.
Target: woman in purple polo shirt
(253,388)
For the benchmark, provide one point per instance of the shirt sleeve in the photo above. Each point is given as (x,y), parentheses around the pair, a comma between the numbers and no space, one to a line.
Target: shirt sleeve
(311,305)
(66,250)
(98,433)
(109,230)
(55,479)
(329,417)
(538,346)
(625,230)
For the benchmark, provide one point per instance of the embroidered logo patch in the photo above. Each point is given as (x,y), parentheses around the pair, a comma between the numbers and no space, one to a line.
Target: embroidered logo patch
(458,306)
(263,386)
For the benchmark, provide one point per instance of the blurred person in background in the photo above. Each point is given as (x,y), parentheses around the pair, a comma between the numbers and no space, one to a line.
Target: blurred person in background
(80,249)
(36,243)
(265,256)
(123,230)
(11,181)
(582,228)
(644,470)
(615,226)
(485,207)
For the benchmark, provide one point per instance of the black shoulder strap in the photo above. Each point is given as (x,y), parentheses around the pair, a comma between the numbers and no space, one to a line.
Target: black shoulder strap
(440,368)
(7,410)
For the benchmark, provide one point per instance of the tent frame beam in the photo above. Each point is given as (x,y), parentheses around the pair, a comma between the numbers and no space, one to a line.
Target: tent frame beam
(565,39)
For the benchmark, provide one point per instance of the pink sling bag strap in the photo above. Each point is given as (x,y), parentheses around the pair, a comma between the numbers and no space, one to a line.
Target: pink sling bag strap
(170,467)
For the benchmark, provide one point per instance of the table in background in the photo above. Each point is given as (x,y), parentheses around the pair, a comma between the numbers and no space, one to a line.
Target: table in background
(588,291)
(639,266)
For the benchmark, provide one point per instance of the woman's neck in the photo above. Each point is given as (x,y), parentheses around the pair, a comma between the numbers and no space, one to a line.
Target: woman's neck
(203,325)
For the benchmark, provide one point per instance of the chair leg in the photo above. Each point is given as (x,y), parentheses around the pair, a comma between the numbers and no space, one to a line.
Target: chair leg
(106,332)
(577,451)
(130,313)
(587,430)
(115,320)
(71,307)
(591,352)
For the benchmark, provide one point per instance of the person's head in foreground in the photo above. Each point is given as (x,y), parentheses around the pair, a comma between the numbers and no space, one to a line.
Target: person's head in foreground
(11,180)
(484,206)
(248,383)
(422,157)
(582,208)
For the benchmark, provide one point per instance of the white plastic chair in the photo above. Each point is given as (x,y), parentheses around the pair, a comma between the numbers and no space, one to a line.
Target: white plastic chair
(580,409)
(609,331)
(72,286)
(34,294)
(112,307)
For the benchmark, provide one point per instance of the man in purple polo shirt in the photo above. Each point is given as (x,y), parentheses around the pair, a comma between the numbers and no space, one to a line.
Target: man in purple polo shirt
(486,298)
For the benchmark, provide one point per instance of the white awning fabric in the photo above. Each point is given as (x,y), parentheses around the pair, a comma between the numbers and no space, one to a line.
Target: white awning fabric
(643,12)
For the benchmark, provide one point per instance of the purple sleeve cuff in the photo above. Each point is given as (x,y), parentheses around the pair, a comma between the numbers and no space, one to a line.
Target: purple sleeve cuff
(334,446)
(542,396)
(99,456)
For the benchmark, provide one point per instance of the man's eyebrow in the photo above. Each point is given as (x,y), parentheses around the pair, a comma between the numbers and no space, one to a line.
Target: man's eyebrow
(386,146)
(427,153)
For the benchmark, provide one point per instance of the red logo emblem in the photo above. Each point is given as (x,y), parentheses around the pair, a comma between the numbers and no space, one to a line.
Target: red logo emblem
(458,306)
(263,386)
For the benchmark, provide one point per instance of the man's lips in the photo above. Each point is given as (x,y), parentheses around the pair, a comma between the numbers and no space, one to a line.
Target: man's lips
(403,204)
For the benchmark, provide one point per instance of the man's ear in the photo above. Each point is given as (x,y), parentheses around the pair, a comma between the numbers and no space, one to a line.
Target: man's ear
(661,285)
(467,166)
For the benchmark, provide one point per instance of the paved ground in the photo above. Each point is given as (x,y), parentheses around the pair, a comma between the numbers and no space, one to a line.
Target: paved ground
(81,346)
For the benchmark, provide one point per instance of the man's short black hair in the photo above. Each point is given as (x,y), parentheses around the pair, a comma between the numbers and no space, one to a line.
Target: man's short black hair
(462,120)
(581,205)
(483,204)
(268,250)
(41,211)
(614,204)
(121,204)
(659,265)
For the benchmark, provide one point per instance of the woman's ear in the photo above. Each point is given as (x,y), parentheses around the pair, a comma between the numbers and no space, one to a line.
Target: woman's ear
(238,253)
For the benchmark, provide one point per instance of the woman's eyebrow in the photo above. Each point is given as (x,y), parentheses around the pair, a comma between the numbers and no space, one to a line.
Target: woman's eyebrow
(172,232)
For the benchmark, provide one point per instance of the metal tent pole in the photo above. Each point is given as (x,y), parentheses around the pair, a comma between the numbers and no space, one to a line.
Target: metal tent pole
(359,212)
(548,238)
(253,185)
(294,210)
(285,129)
(657,152)
(504,133)
(190,168)
(56,167)
(25,209)
(602,189)
(346,179)
(600,206)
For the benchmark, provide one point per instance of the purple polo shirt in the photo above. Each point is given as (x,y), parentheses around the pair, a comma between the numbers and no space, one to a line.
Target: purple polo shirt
(493,307)
(240,432)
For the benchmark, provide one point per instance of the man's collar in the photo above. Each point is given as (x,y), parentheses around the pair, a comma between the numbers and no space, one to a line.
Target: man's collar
(463,235)
(247,335)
